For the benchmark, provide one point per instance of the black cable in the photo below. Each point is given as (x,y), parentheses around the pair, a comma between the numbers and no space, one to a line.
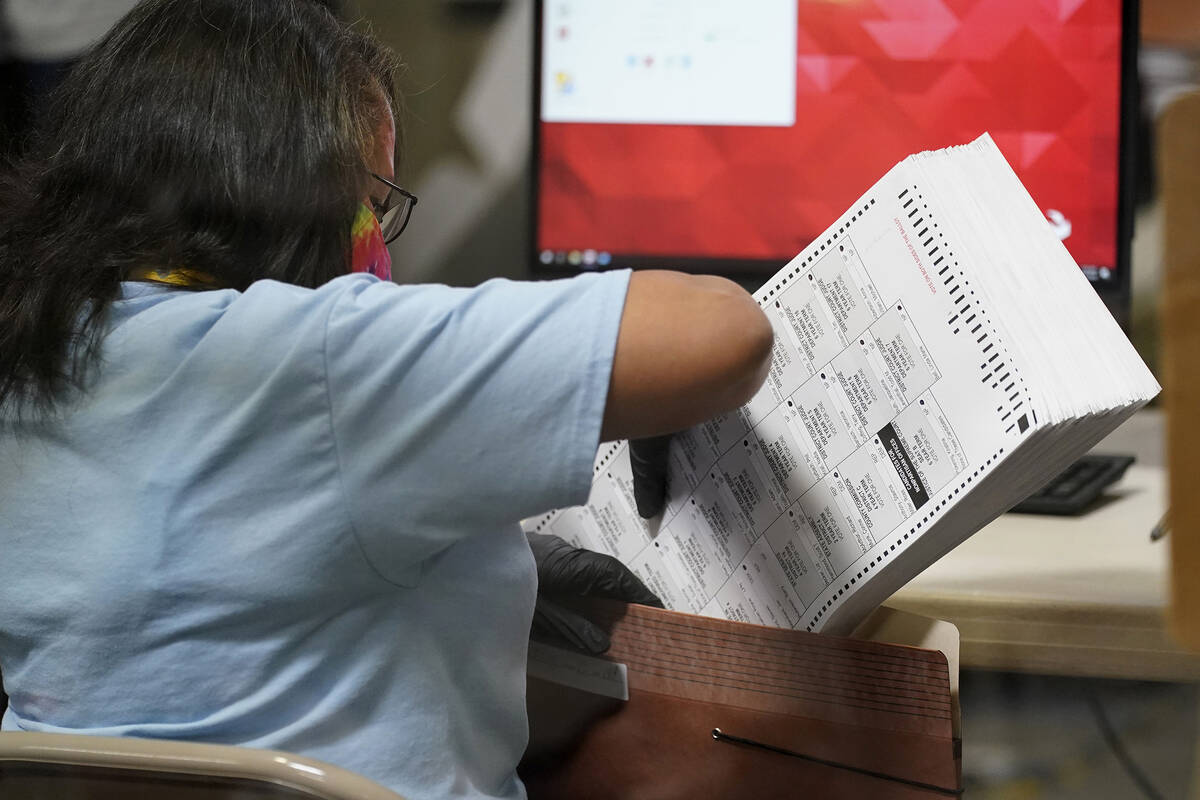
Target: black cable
(1118,748)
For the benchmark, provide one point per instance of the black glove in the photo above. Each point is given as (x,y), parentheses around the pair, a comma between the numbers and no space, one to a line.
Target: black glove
(648,458)
(567,571)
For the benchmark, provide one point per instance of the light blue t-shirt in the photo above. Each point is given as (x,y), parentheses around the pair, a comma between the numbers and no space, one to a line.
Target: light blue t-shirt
(287,518)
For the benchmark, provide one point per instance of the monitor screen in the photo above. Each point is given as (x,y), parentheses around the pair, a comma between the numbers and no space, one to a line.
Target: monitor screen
(724,135)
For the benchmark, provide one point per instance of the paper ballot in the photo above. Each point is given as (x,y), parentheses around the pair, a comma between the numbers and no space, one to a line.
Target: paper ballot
(938,356)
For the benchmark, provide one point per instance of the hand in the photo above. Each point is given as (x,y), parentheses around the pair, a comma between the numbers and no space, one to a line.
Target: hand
(648,458)
(568,571)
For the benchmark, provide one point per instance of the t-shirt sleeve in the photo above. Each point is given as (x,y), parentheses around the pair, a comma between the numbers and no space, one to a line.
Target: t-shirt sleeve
(455,411)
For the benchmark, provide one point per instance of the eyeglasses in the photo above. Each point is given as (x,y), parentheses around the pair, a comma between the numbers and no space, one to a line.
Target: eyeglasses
(394,211)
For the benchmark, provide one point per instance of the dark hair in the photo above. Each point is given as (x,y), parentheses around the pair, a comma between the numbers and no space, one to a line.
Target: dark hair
(228,137)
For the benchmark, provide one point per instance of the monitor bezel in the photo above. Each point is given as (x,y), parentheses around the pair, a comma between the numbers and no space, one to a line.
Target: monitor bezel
(1115,292)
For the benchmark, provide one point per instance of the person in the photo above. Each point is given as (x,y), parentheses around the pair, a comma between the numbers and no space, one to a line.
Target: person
(252,492)
(39,42)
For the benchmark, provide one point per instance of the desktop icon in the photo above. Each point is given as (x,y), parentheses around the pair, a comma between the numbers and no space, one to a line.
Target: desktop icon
(574,258)
(589,257)
(1058,223)
(603,259)
(546,257)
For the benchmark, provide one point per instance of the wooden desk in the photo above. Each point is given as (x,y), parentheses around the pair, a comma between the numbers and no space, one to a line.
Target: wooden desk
(1082,596)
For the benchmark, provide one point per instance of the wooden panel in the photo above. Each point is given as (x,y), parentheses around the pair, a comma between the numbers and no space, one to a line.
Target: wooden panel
(1179,173)
(1171,22)
(807,715)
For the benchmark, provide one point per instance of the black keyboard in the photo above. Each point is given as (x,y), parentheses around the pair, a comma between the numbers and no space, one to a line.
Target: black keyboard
(1074,489)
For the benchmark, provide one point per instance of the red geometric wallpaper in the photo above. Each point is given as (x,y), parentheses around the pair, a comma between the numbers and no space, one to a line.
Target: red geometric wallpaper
(876,80)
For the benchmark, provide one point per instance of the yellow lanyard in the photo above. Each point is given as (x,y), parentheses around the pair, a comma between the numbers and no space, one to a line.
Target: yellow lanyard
(188,278)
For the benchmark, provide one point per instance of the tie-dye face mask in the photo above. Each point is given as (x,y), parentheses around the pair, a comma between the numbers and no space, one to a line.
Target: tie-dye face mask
(369,253)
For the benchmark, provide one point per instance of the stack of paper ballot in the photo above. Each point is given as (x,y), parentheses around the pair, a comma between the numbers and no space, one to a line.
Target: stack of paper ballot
(938,356)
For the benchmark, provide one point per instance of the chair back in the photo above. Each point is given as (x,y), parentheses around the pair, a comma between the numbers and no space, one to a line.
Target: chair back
(44,766)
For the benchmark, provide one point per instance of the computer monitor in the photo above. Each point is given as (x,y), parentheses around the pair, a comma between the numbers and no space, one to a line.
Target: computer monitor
(724,135)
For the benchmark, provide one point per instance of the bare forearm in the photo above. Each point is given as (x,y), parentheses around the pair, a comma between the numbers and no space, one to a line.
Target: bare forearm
(690,347)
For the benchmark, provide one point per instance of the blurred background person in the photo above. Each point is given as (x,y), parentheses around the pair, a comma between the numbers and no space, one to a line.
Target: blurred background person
(39,41)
